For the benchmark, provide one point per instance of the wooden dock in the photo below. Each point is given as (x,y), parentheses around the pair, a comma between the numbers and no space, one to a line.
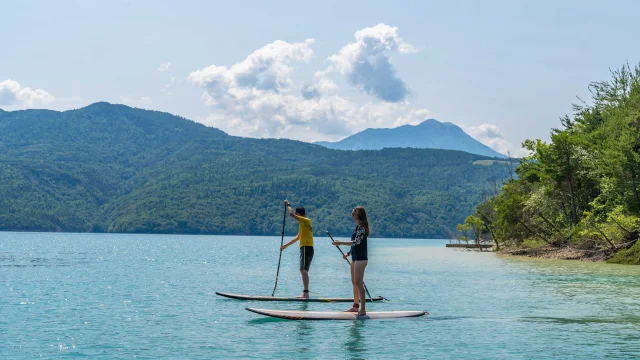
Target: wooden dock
(470,246)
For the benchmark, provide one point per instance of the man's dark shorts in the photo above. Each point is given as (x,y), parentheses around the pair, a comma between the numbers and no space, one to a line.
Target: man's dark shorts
(306,255)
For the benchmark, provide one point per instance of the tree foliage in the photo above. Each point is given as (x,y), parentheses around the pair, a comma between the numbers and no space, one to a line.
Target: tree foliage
(581,189)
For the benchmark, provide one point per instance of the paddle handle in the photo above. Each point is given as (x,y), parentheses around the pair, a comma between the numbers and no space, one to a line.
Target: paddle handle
(349,262)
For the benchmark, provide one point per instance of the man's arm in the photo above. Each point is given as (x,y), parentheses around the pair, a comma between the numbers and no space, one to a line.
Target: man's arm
(291,213)
(290,242)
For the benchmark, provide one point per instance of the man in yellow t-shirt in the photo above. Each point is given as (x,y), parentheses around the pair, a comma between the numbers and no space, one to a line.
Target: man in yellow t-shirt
(305,235)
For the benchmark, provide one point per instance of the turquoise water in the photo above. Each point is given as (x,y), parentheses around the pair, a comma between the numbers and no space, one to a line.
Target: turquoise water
(152,297)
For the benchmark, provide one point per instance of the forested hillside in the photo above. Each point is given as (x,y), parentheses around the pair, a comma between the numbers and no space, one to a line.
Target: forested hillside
(112,168)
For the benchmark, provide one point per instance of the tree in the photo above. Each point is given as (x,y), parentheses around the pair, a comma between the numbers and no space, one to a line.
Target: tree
(477,227)
(487,213)
(463,232)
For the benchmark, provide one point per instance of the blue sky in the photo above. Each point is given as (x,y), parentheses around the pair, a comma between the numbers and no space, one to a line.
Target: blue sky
(503,70)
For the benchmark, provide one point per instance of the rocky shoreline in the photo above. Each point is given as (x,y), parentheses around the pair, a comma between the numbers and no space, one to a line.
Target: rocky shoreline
(564,253)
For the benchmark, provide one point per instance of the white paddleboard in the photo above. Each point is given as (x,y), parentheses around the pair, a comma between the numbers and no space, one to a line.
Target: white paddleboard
(276,298)
(335,315)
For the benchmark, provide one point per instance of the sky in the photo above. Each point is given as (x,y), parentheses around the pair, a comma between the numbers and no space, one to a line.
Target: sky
(504,71)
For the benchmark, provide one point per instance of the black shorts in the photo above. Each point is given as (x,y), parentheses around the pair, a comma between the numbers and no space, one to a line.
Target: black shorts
(359,256)
(306,255)
(359,253)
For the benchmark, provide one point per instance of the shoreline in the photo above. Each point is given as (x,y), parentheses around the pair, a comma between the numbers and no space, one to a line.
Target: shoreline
(564,253)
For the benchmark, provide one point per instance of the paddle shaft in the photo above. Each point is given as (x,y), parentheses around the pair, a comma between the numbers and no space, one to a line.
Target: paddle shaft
(284,219)
(349,262)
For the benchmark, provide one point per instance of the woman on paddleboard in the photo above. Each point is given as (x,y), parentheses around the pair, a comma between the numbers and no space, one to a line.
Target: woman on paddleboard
(359,258)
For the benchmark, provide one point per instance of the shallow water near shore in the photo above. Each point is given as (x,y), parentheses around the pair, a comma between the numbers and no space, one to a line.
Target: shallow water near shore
(112,296)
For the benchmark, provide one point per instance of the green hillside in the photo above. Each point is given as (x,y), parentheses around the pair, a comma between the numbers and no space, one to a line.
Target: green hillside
(118,169)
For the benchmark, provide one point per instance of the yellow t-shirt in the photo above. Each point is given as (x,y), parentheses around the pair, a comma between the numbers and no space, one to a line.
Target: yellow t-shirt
(306,232)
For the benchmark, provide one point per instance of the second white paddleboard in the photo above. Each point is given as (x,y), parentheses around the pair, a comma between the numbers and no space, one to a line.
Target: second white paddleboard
(334,315)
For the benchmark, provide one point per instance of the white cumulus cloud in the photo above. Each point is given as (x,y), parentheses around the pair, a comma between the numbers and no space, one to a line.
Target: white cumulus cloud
(15,95)
(266,69)
(257,97)
(366,63)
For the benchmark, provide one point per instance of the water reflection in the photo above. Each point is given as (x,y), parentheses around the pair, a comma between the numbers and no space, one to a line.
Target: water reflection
(355,346)
(303,332)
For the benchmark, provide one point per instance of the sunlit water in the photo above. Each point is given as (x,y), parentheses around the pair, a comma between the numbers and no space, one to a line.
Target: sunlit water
(153,297)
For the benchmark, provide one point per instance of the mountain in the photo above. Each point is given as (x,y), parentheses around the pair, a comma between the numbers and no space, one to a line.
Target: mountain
(112,168)
(430,134)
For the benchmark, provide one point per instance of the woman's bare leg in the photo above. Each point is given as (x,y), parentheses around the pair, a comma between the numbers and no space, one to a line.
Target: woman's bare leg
(358,267)
(356,297)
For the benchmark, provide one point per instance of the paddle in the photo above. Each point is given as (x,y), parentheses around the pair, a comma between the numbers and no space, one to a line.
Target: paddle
(349,262)
(284,219)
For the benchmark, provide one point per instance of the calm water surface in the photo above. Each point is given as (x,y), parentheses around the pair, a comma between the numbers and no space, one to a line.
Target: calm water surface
(153,297)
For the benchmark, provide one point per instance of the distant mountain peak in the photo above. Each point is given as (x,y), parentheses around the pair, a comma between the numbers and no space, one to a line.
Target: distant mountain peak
(105,105)
(100,103)
(429,134)
(434,122)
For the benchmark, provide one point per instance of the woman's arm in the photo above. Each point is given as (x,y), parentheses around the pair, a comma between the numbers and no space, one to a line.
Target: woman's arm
(345,243)
(360,232)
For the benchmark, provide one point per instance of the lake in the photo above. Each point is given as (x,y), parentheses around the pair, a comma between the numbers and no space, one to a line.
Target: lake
(111,296)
